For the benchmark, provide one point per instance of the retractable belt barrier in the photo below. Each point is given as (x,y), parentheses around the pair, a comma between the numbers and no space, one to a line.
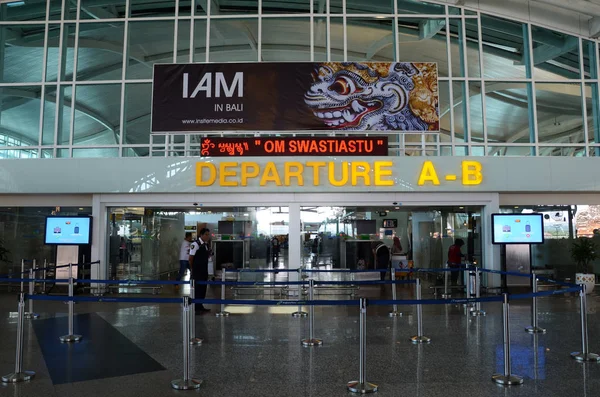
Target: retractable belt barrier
(360,386)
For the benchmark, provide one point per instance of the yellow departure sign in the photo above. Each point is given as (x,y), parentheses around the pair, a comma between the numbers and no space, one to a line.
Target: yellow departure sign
(327,173)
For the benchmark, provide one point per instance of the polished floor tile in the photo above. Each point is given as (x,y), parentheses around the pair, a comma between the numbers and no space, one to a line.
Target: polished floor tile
(259,353)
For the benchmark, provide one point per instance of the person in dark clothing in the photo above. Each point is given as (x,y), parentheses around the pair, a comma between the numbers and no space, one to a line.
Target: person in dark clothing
(381,252)
(275,246)
(199,254)
(455,257)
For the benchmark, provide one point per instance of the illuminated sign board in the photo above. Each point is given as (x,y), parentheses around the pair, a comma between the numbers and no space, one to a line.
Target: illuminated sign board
(297,146)
(296,96)
(328,173)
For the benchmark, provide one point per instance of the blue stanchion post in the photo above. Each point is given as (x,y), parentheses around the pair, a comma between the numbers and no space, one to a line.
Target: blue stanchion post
(446,294)
(477,309)
(193,339)
(223,313)
(31,314)
(21,275)
(300,312)
(70,337)
(534,329)
(186,383)
(419,338)
(394,312)
(361,385)
(19,375)
(507,378)
(44,277)
(311,341)
(585,354)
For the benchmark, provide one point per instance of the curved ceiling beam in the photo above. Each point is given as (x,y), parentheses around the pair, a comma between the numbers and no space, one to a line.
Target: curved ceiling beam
(20,93)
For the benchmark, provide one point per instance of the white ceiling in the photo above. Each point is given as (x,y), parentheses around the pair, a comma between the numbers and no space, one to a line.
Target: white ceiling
(97,107)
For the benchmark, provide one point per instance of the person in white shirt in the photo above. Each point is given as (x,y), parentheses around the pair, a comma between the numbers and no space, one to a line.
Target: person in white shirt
(199,254)
(184,256)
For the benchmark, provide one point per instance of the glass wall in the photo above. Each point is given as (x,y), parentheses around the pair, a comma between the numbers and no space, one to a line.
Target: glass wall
(22,236)
(563,224)
(144,242)
(76,82)
(347,237)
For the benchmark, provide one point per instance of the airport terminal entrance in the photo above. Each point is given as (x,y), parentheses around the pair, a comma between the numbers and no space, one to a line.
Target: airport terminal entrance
(145,241)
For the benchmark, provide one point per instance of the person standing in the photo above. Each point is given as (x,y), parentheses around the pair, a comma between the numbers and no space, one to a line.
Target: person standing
(275,246)
(381,254)
(455,257)
(184,257)
(397,247)
(199,254)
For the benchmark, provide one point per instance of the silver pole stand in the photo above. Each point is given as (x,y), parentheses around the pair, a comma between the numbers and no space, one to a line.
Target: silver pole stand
(477,310)
(30,313)
(362,386)
(70,337)
(446,294)
(19,375)
(311,341)
(585,354)
(222,313)
(468,287)
(193,339)
(394,312)
(300,312)
(186,383)
(507,378)
(419,338)
(22,275)
(44,277)
(534,329)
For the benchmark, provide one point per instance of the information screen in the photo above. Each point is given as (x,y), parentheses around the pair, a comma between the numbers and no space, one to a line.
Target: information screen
(390,223)
(68,230)
(517,229)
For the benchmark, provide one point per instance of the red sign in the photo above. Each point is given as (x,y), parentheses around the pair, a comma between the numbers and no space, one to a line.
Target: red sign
(346,146)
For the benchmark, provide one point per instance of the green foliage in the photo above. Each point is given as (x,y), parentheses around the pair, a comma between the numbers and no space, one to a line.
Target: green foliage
(583,252)
(4,252)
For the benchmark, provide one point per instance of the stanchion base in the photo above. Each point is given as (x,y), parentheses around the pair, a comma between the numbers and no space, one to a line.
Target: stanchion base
(16,377)
(299,314)
(70,338)
(362,388)
(222,314)
(190,384)
(196,341)
(446,296)
(585,356)
(32,315)
(509,380)
(420,339)
(535,330)
(476,313)
(396,314)
(312,342)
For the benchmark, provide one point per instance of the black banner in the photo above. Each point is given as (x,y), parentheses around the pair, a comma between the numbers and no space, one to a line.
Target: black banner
(297,146)
(338,96)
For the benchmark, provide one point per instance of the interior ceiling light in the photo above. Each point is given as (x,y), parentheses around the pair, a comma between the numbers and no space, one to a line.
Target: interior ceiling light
(13,3)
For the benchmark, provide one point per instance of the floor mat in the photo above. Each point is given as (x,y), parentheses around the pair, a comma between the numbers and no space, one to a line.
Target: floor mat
(103,351)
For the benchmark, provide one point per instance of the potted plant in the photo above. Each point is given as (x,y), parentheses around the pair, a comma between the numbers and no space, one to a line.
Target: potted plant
(583,252)
(4,253)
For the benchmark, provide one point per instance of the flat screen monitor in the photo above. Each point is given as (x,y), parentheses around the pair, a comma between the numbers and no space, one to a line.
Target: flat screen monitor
(366,227)
(390,223)
(68,230)
(517,229)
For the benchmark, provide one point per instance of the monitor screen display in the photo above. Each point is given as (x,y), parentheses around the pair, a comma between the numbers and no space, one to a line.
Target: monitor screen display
(390,223)
(517,229)
(68,230)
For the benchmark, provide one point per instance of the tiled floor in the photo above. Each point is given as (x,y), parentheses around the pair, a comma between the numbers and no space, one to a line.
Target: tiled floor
(257,350)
